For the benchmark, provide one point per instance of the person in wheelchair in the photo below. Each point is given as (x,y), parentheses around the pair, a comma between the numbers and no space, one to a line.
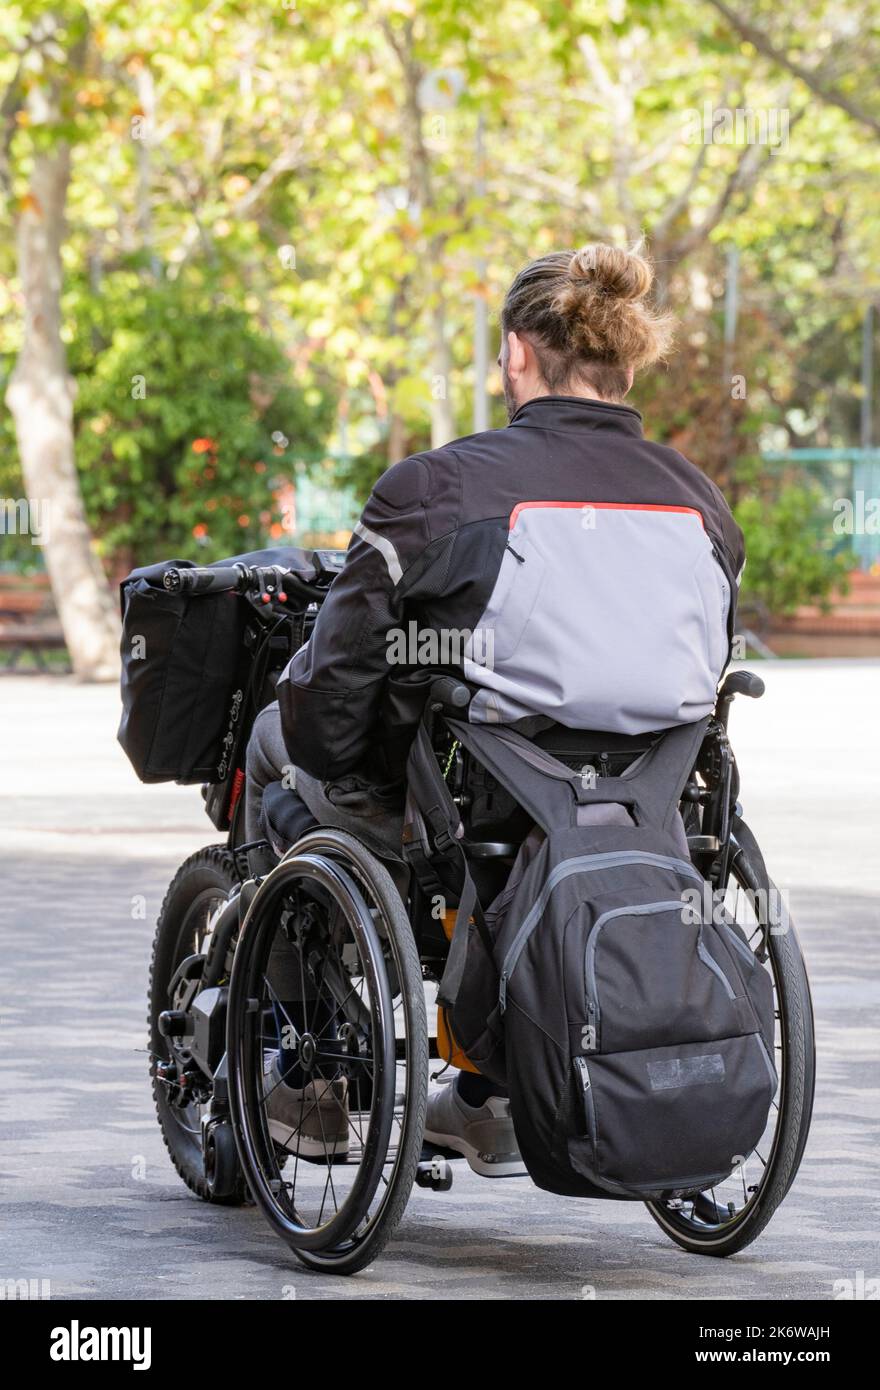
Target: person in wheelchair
(589,574)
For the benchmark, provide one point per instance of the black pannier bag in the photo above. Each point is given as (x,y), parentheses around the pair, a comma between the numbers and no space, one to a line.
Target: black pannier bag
(608,990)
(184,671)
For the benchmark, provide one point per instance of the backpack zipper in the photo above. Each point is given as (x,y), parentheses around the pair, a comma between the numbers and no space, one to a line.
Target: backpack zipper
(609,859)
(589,1105)
(711,963)
(591,991)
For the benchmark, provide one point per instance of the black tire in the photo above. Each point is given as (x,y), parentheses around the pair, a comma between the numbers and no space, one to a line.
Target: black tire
(201,883)
(352,1237)
(797,1054)
(222,1173)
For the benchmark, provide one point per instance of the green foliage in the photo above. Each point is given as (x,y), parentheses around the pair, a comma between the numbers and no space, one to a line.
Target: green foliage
(789,562)
(208,142)
(179,398)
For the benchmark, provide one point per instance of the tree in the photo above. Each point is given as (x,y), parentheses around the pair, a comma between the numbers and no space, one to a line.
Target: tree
(787,562)
(311,174)
(186,422)
(40,392)
(853,52)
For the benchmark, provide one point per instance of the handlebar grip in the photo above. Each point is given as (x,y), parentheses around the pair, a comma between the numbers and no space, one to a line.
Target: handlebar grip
(222,579)
(742,683)
(448,693)
(315,593)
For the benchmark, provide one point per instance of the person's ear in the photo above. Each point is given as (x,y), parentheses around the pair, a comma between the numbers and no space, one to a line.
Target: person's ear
(630,376)
(517,357)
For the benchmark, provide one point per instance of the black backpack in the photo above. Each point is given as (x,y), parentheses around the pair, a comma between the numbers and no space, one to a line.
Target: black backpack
(623,1009)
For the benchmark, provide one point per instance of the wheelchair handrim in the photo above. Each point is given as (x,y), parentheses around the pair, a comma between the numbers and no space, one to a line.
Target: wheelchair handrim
(245,1053)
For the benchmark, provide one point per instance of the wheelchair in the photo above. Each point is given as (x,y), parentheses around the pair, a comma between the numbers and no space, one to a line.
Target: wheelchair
(315,972)
(335,949)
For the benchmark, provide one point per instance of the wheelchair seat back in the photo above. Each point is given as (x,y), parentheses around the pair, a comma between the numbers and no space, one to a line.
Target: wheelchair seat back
(493,814)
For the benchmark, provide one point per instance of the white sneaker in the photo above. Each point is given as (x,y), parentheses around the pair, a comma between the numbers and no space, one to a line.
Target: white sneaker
(312,1121)
(483,1133)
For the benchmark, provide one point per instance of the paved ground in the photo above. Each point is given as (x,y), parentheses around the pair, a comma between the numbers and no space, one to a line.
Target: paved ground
(89,1200)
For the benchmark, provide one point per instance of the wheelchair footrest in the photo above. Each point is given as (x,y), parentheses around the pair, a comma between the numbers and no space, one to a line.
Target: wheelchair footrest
(434,1171)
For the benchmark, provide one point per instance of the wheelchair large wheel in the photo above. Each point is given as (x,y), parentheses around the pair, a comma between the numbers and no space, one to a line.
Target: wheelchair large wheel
(328,1052)
(728,1217)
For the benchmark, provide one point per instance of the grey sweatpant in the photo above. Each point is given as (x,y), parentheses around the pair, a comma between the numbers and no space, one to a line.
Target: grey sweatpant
(342,803)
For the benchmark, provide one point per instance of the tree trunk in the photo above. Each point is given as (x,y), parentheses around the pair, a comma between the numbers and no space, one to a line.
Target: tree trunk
(396,444)
(442,415)
(422,198)
(40,397)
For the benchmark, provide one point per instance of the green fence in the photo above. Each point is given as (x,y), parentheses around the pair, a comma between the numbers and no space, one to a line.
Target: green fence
(848,481)
(324,510)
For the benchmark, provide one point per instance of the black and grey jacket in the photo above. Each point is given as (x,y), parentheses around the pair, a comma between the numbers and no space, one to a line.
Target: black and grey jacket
(578,570)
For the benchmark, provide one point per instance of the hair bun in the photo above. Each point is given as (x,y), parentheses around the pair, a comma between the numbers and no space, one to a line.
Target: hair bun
(587,318)
(622,274)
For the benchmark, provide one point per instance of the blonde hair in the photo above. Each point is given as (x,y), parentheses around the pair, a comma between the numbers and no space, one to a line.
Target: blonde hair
(585,316)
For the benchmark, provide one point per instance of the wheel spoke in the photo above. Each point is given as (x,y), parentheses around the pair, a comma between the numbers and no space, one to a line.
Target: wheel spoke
(278,1004)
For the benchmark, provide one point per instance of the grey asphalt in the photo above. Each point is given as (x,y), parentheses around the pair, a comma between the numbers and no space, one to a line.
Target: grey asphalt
(89,1201)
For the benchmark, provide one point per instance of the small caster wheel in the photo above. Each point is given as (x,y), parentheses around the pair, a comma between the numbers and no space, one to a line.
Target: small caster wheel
(222,1172)
(435,1174)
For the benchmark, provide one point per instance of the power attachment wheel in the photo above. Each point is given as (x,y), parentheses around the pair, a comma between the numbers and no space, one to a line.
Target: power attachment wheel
(222,1170)
(727,1218)
(181,1091)
(327,1045)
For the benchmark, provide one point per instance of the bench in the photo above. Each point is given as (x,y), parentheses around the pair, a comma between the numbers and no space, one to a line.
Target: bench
(28,622)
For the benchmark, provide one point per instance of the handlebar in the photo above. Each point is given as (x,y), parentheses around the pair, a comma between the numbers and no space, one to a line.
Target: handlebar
(742,683)
(737,683)
(260,582)
(449,694)
(217,579)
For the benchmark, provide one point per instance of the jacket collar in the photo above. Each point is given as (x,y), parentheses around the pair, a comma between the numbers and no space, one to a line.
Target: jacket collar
(577,413)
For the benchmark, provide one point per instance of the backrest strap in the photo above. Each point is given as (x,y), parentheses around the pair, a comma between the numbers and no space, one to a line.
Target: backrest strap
(551,793)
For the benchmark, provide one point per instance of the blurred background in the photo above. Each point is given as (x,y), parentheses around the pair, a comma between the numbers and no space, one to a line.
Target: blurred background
(250,254)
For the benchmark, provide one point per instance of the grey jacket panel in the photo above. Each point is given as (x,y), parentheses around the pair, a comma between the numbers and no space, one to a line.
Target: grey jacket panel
(606,617)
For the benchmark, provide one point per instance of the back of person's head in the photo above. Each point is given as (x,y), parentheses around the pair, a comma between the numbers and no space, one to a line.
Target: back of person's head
(585,316)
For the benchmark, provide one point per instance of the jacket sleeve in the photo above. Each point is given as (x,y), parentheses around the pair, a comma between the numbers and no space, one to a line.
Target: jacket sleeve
(731,535)
(330,692)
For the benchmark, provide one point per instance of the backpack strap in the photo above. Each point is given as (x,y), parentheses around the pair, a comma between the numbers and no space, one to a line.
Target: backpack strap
(548,790)
(552,793)
(659,776)
(437,818)
(453,973)
(433,831)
